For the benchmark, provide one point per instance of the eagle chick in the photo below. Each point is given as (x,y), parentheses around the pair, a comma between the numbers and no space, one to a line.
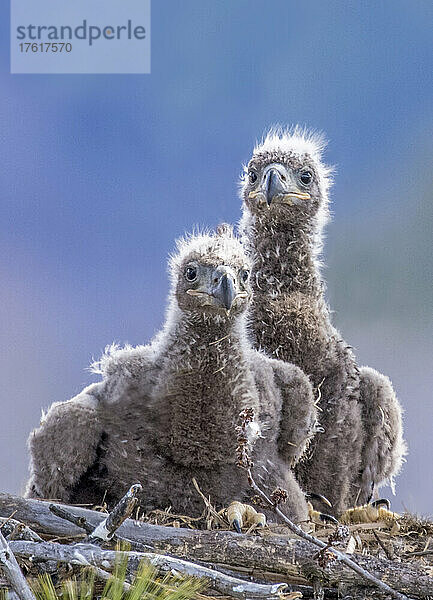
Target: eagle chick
(167,412)
(285,207)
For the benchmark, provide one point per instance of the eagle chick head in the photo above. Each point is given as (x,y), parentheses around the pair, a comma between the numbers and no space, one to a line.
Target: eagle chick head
(286,181)
(210,273)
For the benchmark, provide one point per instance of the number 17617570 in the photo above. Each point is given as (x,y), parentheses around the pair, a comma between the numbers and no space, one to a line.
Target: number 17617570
(45,47)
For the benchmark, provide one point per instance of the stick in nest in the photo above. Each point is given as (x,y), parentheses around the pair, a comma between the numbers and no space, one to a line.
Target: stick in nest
(123,509)
(219,518)
(13,572)
(107,528)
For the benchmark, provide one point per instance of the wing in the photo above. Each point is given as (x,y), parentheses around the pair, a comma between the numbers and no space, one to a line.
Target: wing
(384,448)
(128,371)
(64,446)
(298,422)
(291,404)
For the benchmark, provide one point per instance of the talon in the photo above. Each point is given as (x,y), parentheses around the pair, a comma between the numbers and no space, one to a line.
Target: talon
(237,525)
(243,515)
(325,518)
(318,517)
(315,496)
(234,515)
(260,520)
(381,502)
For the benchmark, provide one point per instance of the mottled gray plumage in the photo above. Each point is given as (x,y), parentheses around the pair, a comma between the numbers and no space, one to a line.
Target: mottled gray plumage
(285,194)
(166,412)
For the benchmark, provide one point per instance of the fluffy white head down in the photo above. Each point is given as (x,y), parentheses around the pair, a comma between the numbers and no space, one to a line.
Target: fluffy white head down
(296,139)
(223,245)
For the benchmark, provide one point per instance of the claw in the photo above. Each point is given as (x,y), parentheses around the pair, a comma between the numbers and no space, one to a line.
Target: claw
(237,525)
(325,518)
(243,515)
(381,502)
(318,517)
(315,496)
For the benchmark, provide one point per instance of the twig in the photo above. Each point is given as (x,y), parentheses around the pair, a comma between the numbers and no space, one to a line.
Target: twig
(15,530)
(6,521)
(105,530)
(420,553)
(13,572)
(22,532)
(313,540)
(382,545)
(123,509)
(83,523)
(209,506)
(264,577)
(244,462)
(62,513)
(88,554)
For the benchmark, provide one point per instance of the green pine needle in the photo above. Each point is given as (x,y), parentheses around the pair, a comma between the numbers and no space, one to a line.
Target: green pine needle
(146,585)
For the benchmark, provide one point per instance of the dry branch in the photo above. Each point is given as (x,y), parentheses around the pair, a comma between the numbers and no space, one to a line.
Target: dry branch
(14,530)
(79,521)
(278,554)
(89,554)
(326,554)
(123,509)
(105,531)
(13,572)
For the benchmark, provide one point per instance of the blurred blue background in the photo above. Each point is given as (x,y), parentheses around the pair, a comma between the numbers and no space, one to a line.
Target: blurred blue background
(99,174)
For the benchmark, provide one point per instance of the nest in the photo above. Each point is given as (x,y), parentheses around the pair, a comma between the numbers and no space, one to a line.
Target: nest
(396,552)
(408,539)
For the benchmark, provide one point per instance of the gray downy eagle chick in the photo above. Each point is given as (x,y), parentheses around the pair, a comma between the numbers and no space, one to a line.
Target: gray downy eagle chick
(167,412)
(285,207)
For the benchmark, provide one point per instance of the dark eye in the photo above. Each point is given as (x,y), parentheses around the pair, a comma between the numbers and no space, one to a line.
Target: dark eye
(306,177)
(252,176)
(190,273)
(245,275)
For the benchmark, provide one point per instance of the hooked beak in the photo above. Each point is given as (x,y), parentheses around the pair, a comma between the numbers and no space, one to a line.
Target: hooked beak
(222,292)
(225,292)
(273,185)
(277,186)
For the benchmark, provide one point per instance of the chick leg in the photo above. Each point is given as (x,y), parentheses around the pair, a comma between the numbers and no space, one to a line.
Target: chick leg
(384,447)
(379,510)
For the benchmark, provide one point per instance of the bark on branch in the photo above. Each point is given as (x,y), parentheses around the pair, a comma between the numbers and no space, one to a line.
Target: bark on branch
(123,509)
